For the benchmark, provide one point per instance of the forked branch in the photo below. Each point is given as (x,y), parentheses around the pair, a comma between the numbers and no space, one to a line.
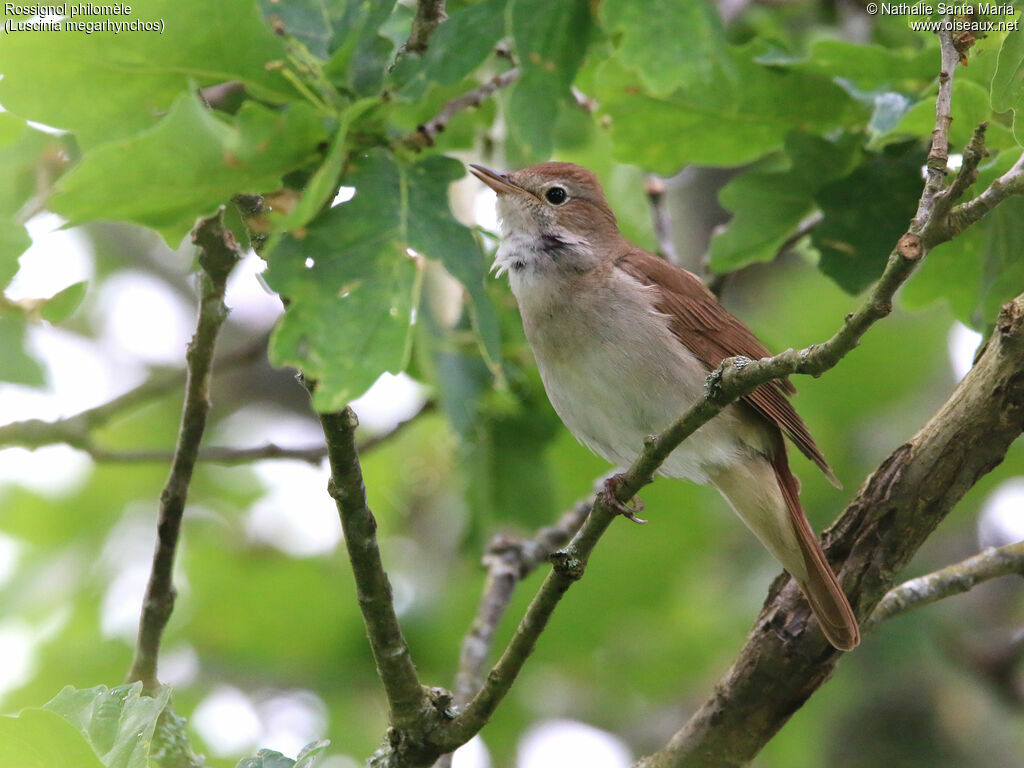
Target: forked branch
(734,379)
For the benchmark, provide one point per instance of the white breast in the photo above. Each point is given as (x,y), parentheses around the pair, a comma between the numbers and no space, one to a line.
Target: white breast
(615,373)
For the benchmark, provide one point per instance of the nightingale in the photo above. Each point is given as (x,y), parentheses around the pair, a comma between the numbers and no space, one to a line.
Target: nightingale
(624,342)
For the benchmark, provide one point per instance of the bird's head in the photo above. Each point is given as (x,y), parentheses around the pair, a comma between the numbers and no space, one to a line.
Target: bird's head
(552,215)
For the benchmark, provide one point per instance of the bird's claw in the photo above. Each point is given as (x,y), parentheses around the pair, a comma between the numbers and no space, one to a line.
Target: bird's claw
(629,511)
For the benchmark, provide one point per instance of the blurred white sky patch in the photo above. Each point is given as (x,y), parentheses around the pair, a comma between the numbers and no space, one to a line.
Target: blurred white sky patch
(56,259)
(1002,515)
(18,650)
(142,317)
(472,754)
(122,602)
(344,195)
(19,644)
(962,344)
(571,744)
(233,723)
(290,720)
(485,212)
(179,665)
(228,722)
(10,553)
(79,375)
(252,425)
(52,471)
(391,400)
(295,515)
(251,302)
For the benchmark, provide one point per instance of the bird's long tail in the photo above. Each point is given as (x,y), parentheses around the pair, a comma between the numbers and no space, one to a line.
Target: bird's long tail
(765,495)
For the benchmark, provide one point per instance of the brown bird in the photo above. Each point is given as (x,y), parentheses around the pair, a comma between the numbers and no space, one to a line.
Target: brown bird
(624,341)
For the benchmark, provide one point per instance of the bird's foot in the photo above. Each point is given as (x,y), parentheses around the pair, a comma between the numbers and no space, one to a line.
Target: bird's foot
(630,511)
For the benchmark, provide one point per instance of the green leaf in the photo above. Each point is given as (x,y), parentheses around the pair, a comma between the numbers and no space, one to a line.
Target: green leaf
(310,753)
(457,48)
(768,203)
(22,152)
(865,213)
(550,39)
(871,67)
(349,311)
(37,738)
(323,184)
(312,22)
(1008,81)
(170,747)
(651,34)
(359,55)
(969,107)
(436,234)
(266,758)
(118,722)
(16,366)
(103,86)
(60,306)
(189,164)
(741,112)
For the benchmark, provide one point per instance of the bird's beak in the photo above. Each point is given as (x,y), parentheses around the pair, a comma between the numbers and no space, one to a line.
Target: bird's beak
(499,182)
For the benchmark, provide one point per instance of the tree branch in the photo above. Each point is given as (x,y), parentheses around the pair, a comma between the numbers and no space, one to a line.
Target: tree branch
(430,15)
(733,379)
(508,562)
(75,430)
(406,698)
(1010,183)
(951,580)
(425,134)
(655,189)
(218,255)
(313,454)
(898,507)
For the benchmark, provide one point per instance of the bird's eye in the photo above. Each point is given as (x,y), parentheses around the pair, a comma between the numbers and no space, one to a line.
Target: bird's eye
(556,195)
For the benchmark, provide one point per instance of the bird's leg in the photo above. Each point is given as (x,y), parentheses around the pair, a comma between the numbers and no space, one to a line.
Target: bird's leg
(608,492)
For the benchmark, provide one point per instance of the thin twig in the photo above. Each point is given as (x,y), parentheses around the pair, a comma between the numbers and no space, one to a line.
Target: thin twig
(430,14)
(508,561)
(655,189)
(313,454)
(226,455)
(804,228)
(951,580)
(74,430)
(1010,183)
(217,257)
(425,134)
(390,651)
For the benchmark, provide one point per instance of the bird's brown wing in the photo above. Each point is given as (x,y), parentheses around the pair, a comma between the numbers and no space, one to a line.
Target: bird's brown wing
(708,330)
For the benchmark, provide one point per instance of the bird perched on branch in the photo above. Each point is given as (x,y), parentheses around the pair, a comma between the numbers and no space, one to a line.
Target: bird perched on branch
(624,342)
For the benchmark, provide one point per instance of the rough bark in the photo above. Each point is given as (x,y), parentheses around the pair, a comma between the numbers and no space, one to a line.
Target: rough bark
(895,510)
